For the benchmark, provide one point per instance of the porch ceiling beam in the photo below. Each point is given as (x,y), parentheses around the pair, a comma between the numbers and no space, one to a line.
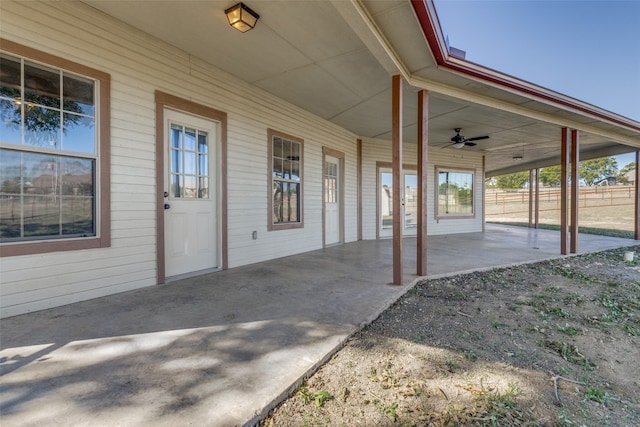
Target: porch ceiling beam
(362,23)
(521,110)
(553,161)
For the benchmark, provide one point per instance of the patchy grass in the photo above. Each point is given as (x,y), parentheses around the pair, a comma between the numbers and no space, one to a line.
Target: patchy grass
(553,343)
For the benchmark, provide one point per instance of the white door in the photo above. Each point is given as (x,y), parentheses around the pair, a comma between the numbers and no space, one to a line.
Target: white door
(409,209)
(332,197)
(191,205)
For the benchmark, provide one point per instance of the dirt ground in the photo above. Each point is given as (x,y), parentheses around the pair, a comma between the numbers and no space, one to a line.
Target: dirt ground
(555,343)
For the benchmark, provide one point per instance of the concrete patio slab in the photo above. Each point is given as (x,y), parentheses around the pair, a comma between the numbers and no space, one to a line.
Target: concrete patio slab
(222,348)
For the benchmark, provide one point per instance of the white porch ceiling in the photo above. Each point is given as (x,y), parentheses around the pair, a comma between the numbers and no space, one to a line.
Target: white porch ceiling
(335,59)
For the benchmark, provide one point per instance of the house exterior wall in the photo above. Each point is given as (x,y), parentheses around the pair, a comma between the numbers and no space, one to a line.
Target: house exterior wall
(139,65)
(375,151)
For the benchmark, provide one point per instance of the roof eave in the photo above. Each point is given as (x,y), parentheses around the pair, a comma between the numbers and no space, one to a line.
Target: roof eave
(428,19)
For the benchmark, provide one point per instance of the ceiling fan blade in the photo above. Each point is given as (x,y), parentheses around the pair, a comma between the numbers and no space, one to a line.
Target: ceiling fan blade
(478,138)
(470,144)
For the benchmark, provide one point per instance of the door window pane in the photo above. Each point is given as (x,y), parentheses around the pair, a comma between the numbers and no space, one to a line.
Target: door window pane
(410,201)
(176,136)
(176,186)
(203,165)
(190,140)
(203,188)
(203,146)
(331,182)
(190,187)
(386,200)
(176,161)
(189,162)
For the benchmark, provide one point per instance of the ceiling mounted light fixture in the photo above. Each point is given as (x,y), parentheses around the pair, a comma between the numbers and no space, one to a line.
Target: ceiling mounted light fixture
(241,17)
(519,157)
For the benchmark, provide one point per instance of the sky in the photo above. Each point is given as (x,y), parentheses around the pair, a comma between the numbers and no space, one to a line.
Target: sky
(586,49)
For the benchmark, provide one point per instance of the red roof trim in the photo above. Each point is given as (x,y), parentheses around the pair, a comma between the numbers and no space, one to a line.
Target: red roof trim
(432,31)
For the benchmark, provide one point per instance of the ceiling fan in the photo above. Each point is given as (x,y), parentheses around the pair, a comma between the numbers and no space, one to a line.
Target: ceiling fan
(459,141)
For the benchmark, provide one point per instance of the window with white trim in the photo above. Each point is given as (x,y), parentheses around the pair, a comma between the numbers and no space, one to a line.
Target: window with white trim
(454,189)
(285,182)
(49,154)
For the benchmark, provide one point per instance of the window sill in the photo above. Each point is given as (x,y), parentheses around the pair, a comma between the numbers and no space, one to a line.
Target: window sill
(32,248)
(286,226)
(440,218)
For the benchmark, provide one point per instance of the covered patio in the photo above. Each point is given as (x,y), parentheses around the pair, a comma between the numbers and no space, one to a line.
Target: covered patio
(394,81)
(370,86)
(359,91)
(222,349)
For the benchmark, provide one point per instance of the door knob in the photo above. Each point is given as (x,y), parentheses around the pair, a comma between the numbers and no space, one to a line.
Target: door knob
(167,206)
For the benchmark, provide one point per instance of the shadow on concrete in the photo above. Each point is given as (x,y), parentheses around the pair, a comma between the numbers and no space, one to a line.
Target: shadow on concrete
(221,348)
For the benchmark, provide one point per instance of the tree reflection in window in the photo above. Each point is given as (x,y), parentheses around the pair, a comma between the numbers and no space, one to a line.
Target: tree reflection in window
(455,193)
(47,108)
(47,191)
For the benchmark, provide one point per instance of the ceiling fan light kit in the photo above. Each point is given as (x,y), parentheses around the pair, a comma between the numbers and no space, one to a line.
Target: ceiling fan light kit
(459,141)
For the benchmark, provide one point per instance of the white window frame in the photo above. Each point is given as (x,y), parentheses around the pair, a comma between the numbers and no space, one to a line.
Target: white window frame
(454,215)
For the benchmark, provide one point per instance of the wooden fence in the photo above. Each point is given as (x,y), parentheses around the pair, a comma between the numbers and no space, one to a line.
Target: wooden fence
(613,204)
(518,200)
